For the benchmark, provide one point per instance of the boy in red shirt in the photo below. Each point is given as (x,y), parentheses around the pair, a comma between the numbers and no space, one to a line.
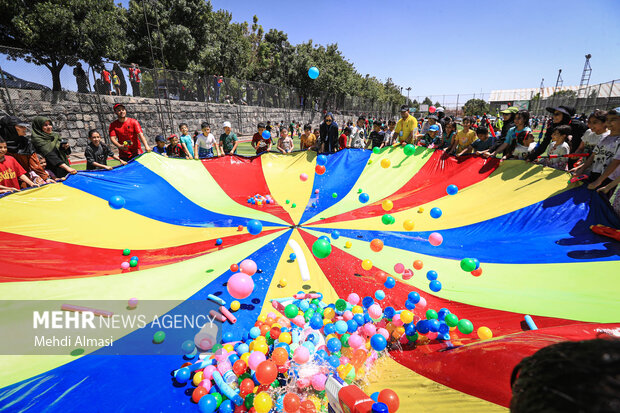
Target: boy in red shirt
(342,141)
(126,134)
(259,142)
(107,80)
(11,171)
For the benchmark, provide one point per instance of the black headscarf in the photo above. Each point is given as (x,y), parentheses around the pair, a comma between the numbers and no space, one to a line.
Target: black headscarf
(15,144)
(329,133)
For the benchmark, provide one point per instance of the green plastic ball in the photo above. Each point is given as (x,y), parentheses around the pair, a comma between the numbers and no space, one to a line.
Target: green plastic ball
(216,348)
(218,398)
(133,263)
(126,251)
(451,320)
(376,150)
(293,206)
(465,326)
(345,339)
(291,311)
(159,337)
(413,337)
(321,248)
(288,201)
(387,219)
(409,149)
(249,401)
(334,195)
(468,265)
(359,190)
(431,314)
(340,304)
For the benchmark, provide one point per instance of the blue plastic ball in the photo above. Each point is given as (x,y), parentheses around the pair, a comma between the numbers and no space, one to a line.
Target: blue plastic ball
(182,375)
(379,294)
(232,358)
(367,302)
(409,305)
(352,326)
(410,329)
(292,257)
(431,275)
(329,329)
(379,407)
(334,345)
(378,342)
(422,327)
(243,348)
(266,134)
(333,361)
(208,403)
(316,322)
(375,396)
(321,160)
(341,326)
(364,197)
(359,319)
(226,406)
(390,282)
(313,72)
(441,314)
(229,337)
(310,346)
(255,227)
(321,355)
(435,286)
(443,328)
(116,202)
(452,189)
(335,234)
(254,332)
(218,241)
(389,312)
(304,305)
(413,297)
(188,346)
(436,212)
(475,260)
(134,258)
(433,325)
(326,238)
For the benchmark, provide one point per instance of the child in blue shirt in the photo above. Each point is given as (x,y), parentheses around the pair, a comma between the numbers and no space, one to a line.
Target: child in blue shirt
(160,145)
(186,140)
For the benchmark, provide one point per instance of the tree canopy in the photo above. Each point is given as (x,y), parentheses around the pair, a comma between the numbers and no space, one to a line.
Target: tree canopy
(475,107)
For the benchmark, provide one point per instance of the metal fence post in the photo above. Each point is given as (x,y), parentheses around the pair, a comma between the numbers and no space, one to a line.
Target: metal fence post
(611,89)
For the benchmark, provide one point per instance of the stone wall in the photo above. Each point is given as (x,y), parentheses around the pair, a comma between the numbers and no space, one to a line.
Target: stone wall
(73,114)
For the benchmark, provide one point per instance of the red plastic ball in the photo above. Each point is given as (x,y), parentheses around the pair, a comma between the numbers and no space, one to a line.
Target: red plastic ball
(266,372)
(291,403)
(246,386)
(381,277)
(198,393)
(240,367)
(390,398)
(234,268)
(319,169)
(477,273)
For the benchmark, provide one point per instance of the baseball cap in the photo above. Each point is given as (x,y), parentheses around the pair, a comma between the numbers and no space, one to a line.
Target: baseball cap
(404,108)
(172,135)
(227,125)
(512,109)
(160,138)
(433,128)
(117,105)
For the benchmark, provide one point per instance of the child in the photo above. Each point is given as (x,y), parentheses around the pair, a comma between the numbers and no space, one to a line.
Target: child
(186,141)
(449,134)
(228,140)
(389,133)
(11,172)
(116,81)
(160,145)
(464,137)
(285,143)
(97,153)
(259,142)
(597,122)
(308,139)
(174,149)
(376,137)
(342,141)
(205,142)
(432,120)
(558,147)
(604,158)
(34,177)
(316,132)
(483,143)
(431,137)
(358,135)
(519,141)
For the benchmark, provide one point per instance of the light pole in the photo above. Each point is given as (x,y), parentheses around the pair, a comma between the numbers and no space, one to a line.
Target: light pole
(408,90)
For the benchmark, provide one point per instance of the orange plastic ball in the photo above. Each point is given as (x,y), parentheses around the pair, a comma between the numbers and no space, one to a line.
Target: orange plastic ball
(418,264)
(376,245)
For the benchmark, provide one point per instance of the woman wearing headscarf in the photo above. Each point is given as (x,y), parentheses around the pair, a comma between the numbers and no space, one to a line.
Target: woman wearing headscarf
(561,116)
(51,146)
(13,130)
(328,132)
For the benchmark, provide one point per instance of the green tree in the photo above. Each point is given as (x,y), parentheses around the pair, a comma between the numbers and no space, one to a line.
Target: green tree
(437,104)
(427,101)
(565,94)
(475,107)
(55,33)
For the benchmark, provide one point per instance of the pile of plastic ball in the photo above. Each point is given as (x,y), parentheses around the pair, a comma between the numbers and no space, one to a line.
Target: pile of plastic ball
(261,200)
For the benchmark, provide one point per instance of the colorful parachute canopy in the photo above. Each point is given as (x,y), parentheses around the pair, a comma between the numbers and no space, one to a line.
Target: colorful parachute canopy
(526,225)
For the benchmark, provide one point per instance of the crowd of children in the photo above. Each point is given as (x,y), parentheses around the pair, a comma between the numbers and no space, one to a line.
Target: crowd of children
(591,152)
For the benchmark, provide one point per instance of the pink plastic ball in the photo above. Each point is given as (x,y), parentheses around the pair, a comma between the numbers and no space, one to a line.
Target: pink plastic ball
(399,268)
(343,360)
(256,358)
(240,285)
(207,373)
(318,381)
(432,109)
(303,177)
(422,302)
(301,355)
(206,384)
(435,239)
(133,302)
(316,191)
(124,265)
(303,383)
(347,315)
(374,311)
(407,274)
(248,266)
(397,321)
(353,298)
(356,341)
(370,329)
(271,314)
(384,333)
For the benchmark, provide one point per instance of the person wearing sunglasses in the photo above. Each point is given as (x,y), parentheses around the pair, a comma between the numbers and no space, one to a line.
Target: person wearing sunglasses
(328,134)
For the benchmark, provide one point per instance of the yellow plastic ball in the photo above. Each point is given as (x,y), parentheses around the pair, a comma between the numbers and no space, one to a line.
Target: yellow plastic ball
(329,313)
(283,282)
(228,347)
(408,225)
(398,332)
(420,210)
(348,244)
(278,325)
(387,205)
(406,316)
(245,357)
(235,305)
(261,339)
(197,378)
(316,401)
(485,333)
(262,347)
(262,318)
(262,402)
(357,309)
(385,163)
(285,338)
(366,264)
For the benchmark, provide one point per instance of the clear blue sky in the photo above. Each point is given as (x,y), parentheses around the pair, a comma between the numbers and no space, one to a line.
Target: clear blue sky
(444,47)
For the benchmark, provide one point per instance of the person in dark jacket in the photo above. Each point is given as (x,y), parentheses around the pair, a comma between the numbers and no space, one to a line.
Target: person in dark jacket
(51,146)
(561,116)
(509,121)
(328,134)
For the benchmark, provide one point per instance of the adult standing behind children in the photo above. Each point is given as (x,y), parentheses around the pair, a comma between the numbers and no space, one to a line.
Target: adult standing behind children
(406,126)
(205,142)
(328,131)
(126,134)
(228,140)
(97,153)
(49,144)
